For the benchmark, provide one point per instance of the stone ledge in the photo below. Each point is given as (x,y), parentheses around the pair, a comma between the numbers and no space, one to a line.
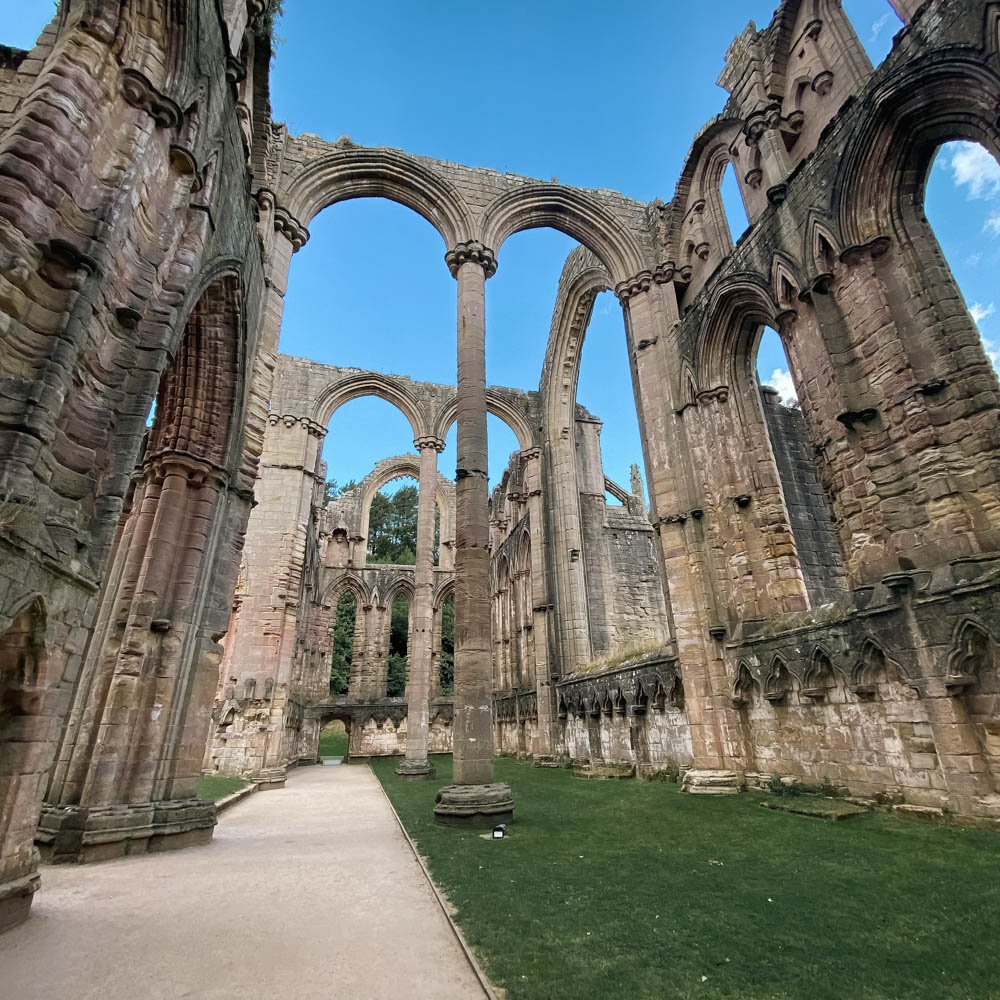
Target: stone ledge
(15,900)
(79,835)
(711,782)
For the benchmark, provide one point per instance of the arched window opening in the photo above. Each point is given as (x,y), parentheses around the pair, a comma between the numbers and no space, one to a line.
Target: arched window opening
(360,433)
(446,660)
(808,508)
(605,389)
(962,205)
(732,202)
(392,523)
(399,633)
(344,629)
(519,306)
(337,311)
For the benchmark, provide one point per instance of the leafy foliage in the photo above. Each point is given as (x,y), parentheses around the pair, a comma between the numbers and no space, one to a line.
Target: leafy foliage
(333,489)
(398,635)
(343,643)
(392,528)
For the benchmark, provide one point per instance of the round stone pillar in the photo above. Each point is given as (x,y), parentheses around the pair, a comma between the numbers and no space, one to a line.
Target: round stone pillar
(474,799)
(416,764)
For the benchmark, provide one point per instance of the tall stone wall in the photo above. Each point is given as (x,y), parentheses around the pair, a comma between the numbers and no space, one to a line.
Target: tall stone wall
(132,270)
(135,266)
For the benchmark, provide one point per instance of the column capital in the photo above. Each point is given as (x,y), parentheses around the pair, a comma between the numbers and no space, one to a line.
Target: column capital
(428,441)
(471,250)
(633,286)
(283,220)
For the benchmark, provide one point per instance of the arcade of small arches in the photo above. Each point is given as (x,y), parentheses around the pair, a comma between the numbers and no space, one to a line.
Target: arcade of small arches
(810,592)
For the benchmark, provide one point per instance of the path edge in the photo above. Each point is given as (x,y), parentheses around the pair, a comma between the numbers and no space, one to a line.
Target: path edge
(488,987)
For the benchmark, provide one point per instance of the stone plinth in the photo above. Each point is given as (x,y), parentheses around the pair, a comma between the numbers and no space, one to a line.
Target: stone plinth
(479,806)
(74,835)
(15,900)
(415,770)
(711,783)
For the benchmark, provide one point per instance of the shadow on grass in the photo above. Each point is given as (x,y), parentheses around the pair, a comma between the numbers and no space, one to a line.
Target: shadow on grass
(634,890)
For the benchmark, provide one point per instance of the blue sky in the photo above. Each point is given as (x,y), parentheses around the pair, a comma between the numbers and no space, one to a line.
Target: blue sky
(550,89)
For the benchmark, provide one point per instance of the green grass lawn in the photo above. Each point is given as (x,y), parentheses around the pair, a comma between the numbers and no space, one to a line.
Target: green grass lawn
(333,741)
(624,889)
(218,786)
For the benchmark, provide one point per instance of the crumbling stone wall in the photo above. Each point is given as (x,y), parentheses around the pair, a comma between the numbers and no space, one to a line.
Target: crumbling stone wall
(300,556)
(128,248)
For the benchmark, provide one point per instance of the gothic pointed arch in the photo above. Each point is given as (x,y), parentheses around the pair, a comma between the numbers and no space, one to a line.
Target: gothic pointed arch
(388,387)
(334,174)
(573,212)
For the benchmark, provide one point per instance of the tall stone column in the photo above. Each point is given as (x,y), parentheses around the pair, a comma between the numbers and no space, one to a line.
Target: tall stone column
(416,764)
(474,799)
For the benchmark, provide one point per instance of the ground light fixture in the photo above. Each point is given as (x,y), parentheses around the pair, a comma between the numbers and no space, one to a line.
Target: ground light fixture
(500,831)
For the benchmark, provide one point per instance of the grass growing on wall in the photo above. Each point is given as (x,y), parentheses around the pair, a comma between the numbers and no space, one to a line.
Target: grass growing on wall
(218,786)
(635,890)
(333,740)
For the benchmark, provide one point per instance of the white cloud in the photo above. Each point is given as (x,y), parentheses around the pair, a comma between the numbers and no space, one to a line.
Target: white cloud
(993,222)
(878,25)
(981,312)
(781,380)
(973,168)
(993,352)
(973,260)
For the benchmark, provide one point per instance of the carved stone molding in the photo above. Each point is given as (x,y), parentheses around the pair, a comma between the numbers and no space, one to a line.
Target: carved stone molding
(290,227)
(290,420)
(471,251)
(429,441)
(141,94)
(877,248)
(642,282)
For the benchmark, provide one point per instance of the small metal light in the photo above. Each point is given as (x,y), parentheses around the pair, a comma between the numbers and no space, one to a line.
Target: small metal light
(499,831)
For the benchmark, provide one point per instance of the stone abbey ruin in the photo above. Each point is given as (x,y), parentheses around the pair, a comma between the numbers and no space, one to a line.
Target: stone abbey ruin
(811,593)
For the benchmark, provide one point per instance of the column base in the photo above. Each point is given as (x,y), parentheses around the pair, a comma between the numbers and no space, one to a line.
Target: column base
(80,835)
(270,778)
(477,806)
(15,900)
(416,770)
(711,782)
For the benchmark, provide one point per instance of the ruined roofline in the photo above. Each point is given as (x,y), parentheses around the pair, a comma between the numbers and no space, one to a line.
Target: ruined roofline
(315,141)
(348,372)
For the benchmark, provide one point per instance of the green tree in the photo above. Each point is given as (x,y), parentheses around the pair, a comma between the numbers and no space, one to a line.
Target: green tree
(332,490)
(343,643)
(398,636)
(392,527)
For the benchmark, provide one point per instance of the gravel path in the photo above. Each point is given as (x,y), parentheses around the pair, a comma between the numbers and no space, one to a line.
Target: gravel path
(307,891)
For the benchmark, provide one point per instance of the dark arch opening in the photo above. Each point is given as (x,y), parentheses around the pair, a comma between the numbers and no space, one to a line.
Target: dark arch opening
(397,669)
